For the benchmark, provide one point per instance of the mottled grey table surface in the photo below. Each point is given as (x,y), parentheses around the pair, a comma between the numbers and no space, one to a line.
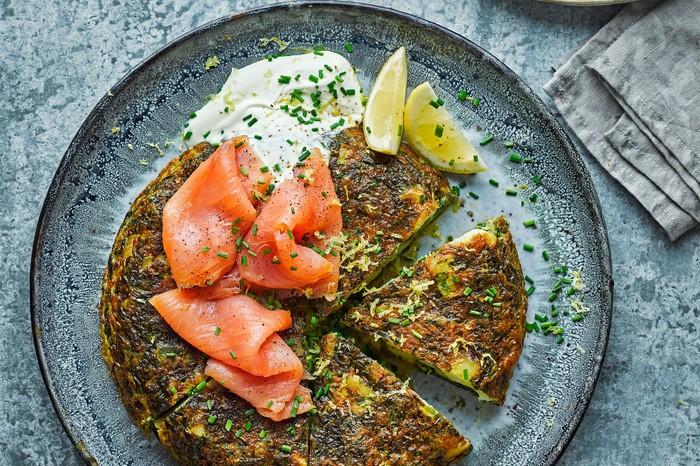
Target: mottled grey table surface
(58,59)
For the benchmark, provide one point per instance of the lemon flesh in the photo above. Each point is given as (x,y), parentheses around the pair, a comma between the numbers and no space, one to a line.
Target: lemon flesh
(383,118)
(430,130)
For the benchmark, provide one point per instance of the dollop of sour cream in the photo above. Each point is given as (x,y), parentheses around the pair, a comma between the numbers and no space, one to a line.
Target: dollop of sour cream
(285,106)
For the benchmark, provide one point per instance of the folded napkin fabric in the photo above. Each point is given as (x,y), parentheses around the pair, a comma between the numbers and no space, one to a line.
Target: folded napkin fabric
(632,96)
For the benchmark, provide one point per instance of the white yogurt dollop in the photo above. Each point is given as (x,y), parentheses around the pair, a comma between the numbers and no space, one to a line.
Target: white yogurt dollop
(285,106)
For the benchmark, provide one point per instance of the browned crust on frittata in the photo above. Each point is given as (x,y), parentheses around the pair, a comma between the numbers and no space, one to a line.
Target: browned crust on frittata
(370,417)
(455,327)
(385,201)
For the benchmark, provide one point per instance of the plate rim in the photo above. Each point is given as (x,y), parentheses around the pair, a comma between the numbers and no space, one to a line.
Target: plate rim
(603,335)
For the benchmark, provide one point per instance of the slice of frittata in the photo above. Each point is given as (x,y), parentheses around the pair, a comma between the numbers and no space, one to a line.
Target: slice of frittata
(460,311)
(367,416)
(385,201)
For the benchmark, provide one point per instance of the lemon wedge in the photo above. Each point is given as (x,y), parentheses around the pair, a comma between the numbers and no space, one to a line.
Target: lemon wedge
(383,118)
(433,134)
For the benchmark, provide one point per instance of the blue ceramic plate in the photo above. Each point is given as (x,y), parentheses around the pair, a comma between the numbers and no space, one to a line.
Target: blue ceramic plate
(102,172)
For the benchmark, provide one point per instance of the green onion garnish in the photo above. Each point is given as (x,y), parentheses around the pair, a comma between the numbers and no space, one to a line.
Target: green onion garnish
(528,247)
(486,140)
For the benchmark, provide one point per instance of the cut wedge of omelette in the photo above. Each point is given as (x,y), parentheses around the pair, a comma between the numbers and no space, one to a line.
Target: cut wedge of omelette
(365,415)
(459,312)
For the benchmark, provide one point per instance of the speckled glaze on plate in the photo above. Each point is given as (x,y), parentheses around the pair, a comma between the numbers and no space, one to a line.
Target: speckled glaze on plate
(100,175)
(589,2)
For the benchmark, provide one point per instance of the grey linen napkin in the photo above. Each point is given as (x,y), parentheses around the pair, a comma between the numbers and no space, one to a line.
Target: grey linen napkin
(632,96)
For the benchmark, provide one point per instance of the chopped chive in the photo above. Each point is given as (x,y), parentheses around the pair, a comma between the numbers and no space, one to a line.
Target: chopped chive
(465,374)
(313,78)
(400,131)
(475,158)
(451,162)
(170,355)
(467,291)
(438,130)
(515,157)
(545,255)
(269,403)
(405,322)
(211,419)
(248,117)
(229,424)
(206,134)
(475,313)
(222,254)
(264,169)
(233,355)
(286,448)
(473,195)
(252,122)
(249,412)
(244,261)
(529,223)
(528,247)
(266,251)
(533,197)
(475,101)
(348,47)
(262,434)
(188,135)
(493,182)
(258,137)
(486,140)
(244,171)
(217,330)
(393,320)
(417,335)
(284,79)
(511,192)
(239,433)
(255,229)
(577,317)
(536,179)
(462,95)
(509,144)
(205,249)
(248,426)
(530,290)
(552,297)
(276,261)
(277,167)
(225,109)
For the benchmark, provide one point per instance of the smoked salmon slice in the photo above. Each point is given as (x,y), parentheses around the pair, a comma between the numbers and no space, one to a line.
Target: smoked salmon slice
(274,357)
(271,394)
(203,220)
(302,401)
(288,244)
(230,328)
(256,177)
